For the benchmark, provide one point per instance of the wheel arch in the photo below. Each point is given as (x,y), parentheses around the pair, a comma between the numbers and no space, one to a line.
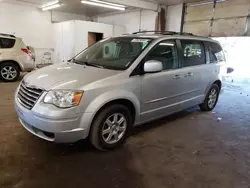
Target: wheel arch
(219,83)
(14,62)
(125,102)
(125,98)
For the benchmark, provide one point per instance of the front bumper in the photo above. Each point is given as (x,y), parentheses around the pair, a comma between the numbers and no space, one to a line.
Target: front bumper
(53,124)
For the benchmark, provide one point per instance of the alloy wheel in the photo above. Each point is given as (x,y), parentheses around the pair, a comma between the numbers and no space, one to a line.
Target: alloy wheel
(8,72)
(114,128)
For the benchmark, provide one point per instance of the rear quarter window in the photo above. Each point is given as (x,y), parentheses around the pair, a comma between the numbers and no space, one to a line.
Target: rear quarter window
(193,53)
(7,43)
(215,52)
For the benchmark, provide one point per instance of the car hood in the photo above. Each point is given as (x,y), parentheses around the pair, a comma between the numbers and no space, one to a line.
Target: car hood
(67,76)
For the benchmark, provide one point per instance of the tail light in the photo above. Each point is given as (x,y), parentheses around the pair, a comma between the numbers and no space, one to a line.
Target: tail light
(27,51)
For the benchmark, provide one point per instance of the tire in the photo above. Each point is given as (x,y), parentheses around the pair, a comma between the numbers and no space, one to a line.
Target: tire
(206,105)
(102,130)
(9,72)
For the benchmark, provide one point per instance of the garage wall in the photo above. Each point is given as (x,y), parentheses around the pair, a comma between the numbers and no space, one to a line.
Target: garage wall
(31,24)
(133,21)
(71,37)
(83,27)
(62,16)
(174,16)
(28,23)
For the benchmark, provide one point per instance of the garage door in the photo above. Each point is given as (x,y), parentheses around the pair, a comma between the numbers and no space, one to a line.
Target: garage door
(221,18)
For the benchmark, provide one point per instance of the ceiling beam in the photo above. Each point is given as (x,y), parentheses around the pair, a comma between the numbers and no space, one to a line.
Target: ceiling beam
(137,4)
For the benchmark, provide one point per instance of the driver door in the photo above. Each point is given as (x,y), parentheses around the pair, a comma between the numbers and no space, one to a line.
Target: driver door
(162,91)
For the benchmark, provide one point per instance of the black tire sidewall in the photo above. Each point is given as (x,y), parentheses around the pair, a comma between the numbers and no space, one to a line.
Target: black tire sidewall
(214,86)
(2,65)
(101,118)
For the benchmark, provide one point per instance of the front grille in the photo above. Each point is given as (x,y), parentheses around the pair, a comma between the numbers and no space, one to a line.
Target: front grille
(28,95)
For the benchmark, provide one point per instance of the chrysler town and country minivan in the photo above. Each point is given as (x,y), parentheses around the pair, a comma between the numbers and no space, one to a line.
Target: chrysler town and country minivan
(118,83)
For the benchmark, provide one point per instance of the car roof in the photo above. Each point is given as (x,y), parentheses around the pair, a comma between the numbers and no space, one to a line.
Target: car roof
(169,34)
(9,36)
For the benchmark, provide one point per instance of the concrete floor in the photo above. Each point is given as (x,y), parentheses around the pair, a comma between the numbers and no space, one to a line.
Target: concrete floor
(189,149)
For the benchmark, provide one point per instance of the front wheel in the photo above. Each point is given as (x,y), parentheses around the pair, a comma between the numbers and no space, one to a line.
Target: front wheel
(110,127)
(9,72)
(211,98)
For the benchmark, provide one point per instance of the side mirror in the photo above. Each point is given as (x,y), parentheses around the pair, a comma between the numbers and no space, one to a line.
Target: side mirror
(229,70)
(152,66)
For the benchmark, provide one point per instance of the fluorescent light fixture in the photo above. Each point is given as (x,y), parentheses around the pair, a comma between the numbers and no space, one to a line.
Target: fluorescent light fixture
(51,7)
(206,3)
(50,4)
(108,3)
(102,5)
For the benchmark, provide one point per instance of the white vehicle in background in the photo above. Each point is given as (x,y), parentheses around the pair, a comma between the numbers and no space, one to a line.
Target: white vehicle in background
(15,57)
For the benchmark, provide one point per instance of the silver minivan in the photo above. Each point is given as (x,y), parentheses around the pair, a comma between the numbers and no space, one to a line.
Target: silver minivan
(119,83)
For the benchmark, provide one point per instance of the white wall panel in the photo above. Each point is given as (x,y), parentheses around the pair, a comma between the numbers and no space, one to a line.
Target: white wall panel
(28,23)
(31,24)
(63,16)
(174,15)
(82,29)
(72,36)
(132,21)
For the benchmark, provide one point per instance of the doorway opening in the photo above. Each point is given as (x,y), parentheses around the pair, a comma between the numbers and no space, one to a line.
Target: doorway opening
(237,55)
(94,37)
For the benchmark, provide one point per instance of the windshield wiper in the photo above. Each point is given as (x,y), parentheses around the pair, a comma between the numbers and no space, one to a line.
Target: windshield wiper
(86,63)
(93,65)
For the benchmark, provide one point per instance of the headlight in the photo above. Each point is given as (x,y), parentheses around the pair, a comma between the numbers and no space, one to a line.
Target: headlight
(63,98)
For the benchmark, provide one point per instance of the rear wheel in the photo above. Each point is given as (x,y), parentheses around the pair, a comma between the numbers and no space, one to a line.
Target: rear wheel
(9,72)
(211,98)
(111,127)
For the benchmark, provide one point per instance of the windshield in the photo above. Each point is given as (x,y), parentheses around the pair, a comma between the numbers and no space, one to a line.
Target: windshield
(113,53)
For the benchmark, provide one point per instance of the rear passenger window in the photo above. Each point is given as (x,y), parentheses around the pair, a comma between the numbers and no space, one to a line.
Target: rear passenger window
(7,43)
(215,52)
(193,53)
(165,52)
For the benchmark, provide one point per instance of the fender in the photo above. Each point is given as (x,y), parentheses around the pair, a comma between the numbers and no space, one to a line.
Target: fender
(107,97)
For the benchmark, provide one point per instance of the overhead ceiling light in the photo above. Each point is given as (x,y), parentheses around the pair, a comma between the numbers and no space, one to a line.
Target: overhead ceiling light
(102,5)
(51,5)
(108,3)
(207,3)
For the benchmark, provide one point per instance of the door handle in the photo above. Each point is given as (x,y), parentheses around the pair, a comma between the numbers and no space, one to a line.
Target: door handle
(189,74)
(176,77)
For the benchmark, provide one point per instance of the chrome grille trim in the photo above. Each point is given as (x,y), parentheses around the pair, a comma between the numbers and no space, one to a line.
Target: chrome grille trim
(23,103)
(23,99)
(28,95)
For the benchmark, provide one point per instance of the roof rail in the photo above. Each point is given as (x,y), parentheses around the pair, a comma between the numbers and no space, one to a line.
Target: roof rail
(7,35)
(164,32)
